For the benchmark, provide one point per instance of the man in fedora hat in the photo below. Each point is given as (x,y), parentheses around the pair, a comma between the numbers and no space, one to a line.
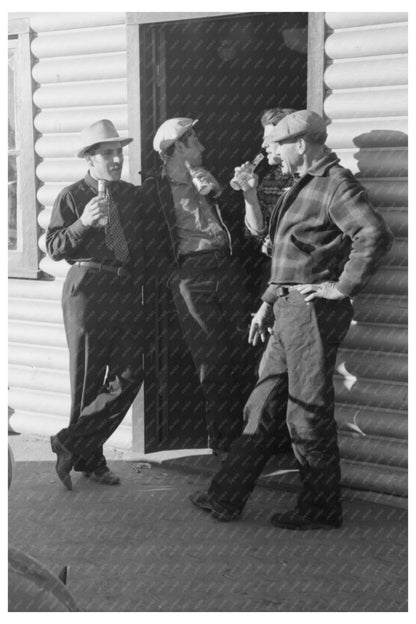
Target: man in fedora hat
(327,242)
(193,255)
(99,235)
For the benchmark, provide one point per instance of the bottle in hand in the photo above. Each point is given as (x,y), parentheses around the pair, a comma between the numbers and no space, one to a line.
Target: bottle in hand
(102,195)
(203,186)
(245,177)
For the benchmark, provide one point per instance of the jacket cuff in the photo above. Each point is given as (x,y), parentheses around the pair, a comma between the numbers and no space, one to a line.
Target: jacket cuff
(270,295)
(254,232)
(347,287)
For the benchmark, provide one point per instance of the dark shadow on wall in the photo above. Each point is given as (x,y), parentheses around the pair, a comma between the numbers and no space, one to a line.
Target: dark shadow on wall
(382,153)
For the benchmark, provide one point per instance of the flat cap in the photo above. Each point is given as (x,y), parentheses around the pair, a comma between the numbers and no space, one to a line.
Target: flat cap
(300,123)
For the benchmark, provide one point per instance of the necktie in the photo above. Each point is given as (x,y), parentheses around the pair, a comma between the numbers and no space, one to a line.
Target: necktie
(114,235)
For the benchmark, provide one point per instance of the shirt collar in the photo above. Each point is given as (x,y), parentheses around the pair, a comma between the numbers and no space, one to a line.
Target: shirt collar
(93,183)
(173,181)
(321,166)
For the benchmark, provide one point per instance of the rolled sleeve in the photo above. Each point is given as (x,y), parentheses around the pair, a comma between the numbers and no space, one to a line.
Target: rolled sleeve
(257,233)
(270,296)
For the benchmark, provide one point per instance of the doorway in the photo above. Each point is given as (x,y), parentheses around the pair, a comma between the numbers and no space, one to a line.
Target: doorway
(224,71)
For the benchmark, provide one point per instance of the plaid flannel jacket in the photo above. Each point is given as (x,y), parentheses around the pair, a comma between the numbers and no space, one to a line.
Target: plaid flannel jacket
(325,229)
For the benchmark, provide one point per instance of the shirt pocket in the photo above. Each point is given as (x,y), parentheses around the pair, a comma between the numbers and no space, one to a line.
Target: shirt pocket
(306,248)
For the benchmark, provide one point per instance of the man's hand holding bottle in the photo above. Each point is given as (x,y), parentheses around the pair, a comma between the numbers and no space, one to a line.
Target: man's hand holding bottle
(203,180)
(244,177)
(94,212)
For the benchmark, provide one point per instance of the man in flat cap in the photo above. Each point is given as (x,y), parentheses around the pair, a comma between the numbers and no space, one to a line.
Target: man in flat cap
(327,241)
(192,251)
(96,227)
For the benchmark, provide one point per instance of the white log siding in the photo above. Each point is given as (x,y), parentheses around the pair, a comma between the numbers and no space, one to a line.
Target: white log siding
(80,75)
(365,81)
(79,70)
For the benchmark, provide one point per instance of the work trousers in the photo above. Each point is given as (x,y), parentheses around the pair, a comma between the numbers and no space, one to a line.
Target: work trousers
(103,330)
(296,385)
(213,308)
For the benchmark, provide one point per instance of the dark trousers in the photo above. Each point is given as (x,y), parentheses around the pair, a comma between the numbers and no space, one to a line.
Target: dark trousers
(102,327)
(213,307)
(297,380)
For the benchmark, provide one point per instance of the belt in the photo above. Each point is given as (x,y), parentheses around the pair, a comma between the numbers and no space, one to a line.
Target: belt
(282,291)
(218,253)
(107,268)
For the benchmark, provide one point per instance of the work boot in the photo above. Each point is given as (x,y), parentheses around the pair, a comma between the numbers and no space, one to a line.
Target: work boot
(203,501)
(63,461)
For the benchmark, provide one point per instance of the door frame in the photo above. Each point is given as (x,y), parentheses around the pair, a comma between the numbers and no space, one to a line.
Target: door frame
(315,86)
(133,22)
(315,97)
(315,91)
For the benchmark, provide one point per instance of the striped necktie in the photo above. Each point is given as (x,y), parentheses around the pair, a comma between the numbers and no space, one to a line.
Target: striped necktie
(114,235)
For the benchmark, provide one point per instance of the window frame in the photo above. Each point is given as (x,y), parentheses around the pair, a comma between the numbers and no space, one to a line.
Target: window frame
(24,262)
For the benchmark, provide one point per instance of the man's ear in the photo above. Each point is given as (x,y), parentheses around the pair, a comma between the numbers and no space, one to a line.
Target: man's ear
(179,147)
(301,145)
(88,159)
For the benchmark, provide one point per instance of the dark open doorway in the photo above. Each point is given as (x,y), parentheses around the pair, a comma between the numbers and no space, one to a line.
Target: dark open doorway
(224,71)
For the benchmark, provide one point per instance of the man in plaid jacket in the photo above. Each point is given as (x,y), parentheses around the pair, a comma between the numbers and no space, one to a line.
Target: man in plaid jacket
(327,242)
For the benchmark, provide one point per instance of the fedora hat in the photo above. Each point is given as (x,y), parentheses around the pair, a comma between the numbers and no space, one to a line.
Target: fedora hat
(102,131)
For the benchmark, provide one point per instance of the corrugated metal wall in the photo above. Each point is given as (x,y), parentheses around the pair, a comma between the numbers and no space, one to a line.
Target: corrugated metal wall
(366,100)
(80,72)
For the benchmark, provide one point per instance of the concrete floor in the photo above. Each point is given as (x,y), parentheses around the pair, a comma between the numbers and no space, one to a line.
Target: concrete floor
(142,547)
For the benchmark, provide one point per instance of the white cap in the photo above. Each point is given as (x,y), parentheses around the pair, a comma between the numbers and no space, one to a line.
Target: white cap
(170,131)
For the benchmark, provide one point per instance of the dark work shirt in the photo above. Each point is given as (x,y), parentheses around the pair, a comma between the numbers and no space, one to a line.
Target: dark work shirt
(197,225)
(67,238)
